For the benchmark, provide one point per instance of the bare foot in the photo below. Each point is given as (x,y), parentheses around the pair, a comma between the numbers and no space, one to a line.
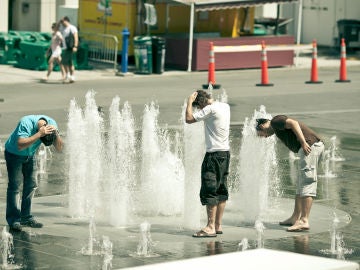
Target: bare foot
(288,222)
(218,229)
(299,226)
(209,230)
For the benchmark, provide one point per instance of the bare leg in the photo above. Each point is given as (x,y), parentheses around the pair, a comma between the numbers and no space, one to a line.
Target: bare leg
(219,214)
(62,69)
(296,213)
(303,222)
(211,214)
(50,67)
(306,203)
(209,230)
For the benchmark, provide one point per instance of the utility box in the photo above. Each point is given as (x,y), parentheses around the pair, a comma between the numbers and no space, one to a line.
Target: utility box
(350,31)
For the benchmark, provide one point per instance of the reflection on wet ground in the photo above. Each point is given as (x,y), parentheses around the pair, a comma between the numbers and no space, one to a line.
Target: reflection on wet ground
(36,249)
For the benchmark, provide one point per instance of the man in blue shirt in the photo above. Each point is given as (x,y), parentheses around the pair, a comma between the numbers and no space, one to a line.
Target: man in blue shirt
(20,148)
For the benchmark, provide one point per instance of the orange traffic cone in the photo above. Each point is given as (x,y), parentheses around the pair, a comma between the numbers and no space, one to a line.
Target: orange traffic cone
(211,72)
(314,73)
(343,63)
(264,67)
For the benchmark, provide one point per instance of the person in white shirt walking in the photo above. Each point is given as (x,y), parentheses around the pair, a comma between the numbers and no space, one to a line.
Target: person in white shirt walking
(71,37)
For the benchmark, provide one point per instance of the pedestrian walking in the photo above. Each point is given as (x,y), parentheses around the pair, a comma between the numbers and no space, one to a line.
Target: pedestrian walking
(70,34)
(55,51)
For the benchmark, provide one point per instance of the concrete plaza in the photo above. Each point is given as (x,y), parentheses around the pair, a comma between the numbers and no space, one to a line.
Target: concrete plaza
(329,107)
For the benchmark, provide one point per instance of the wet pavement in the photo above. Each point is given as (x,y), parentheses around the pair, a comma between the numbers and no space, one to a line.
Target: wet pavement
(329,108)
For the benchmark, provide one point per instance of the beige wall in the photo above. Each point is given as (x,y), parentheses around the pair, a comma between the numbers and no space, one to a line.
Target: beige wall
(4,16)
(34,15)
(26,15)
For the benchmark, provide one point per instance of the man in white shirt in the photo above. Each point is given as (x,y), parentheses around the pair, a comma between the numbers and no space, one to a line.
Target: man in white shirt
(70,45)
(215,166)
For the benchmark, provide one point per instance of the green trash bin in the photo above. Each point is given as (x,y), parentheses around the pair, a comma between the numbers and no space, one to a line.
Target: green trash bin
(3,48)
(82,56)
(33,55)
(9,49)
(143,54)
(158,54)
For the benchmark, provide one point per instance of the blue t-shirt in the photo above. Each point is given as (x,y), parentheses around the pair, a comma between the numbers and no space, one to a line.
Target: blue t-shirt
(27,127)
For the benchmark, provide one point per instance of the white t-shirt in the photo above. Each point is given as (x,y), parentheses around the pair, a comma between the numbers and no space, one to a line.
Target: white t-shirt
(216,117)
(66,31)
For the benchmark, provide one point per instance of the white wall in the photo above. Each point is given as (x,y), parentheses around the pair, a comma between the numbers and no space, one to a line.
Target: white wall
(320,19)
(266,11)
(48,15)
(71,12)
(4,6)
(26,15)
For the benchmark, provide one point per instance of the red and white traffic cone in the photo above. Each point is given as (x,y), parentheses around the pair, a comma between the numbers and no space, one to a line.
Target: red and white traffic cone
(342,63)
(314,73)
(264,67)
(211,71)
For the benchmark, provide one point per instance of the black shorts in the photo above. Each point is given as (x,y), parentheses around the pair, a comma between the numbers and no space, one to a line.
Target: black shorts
(66,58)
(214,173)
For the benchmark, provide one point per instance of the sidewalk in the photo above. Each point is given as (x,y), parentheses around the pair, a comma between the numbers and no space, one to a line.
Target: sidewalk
(10,74)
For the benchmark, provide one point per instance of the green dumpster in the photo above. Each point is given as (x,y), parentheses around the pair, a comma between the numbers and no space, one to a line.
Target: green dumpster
(82,56)
(29,36)
(158,54)
(33,55)
(9,48)
(33,47)
(3,48)
(143,54)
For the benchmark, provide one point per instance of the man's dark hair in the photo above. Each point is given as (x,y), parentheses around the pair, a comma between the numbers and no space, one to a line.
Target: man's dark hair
(259,122)
(48,139)
(43,118)
(66,18)
(201,98)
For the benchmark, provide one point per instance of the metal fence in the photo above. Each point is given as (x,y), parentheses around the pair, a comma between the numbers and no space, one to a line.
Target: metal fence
(102,48)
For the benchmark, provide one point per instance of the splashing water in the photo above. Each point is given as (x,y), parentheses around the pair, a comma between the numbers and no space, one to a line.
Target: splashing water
(162,172)
(243,245)
(121,160)
(7,247)
(259,182)
(331,156)
(194,148)
(106,251)
(334,155)
(99,181)
(333,233)
(84,157)
(146,244)
(337,244)
(91,248)
(326,166)
(259,227)
(41,159)
(76,160)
